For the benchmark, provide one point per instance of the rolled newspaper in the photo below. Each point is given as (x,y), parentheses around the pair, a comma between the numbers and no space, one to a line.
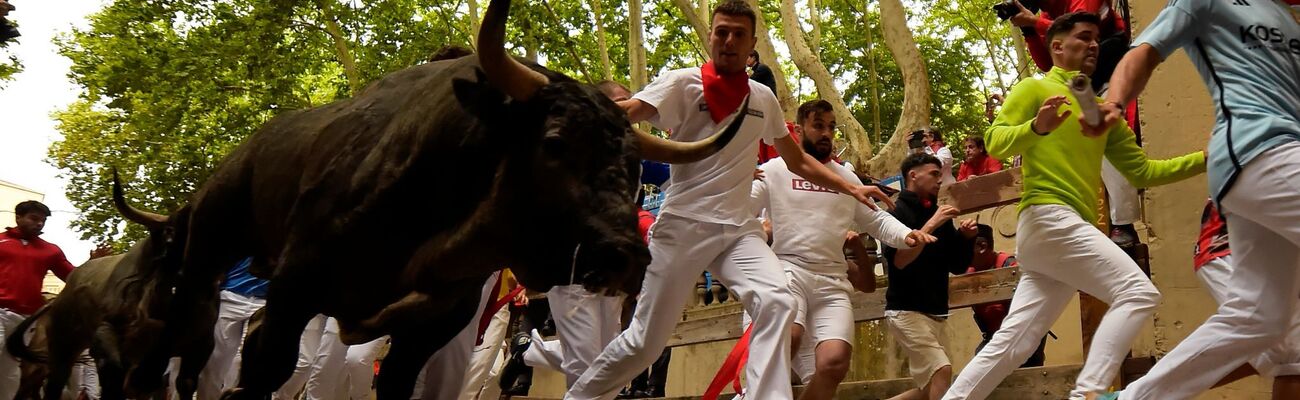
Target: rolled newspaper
(1081,88)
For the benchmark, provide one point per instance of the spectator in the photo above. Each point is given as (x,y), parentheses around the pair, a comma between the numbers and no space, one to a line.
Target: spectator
(935,146)
(761,72)
(916,302)
(24,259)
(977,161)
(989,316)
(1112,42)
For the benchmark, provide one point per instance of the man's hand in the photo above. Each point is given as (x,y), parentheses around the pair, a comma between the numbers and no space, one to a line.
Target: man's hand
(1111,114)
(864,194)
(945,213)
(758,174)
(991,107)
(104,249)
(1049,118)
(917,238)
(1024,18)
(969,228)
(521,298)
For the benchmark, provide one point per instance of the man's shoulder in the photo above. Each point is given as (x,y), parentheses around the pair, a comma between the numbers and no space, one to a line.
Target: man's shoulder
(774,164)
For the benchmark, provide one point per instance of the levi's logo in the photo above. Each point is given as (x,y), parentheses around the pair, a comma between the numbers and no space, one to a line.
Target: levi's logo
(804,185)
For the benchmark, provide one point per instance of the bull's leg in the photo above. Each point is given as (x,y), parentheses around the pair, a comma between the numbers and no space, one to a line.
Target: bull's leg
(271,348)
(60,362)
(413,344)
(108,363)
(193,359)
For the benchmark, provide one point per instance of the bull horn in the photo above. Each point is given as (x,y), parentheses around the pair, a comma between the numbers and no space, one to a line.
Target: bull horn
(659,149)
(503,71)
(148,219)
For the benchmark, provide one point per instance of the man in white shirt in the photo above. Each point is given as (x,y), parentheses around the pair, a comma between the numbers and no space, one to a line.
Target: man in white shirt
(706,220)
(935,146)
(808,228)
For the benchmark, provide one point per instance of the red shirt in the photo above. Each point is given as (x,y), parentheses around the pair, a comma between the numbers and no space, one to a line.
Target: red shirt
(23,264)
(1212,243)
(978,165)
(767,152)
(644,220)
(989,316)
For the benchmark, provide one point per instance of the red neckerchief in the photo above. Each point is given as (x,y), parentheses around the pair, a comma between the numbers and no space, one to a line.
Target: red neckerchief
(722,93)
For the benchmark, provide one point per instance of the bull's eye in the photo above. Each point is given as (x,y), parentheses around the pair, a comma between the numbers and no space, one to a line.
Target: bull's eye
(555,145)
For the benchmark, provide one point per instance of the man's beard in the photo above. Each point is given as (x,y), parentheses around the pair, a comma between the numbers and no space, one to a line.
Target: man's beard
(811,148)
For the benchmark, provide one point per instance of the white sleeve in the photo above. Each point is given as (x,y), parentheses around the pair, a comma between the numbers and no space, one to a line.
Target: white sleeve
(773,119)
(666,96)
(758,195)
(945,156)
(882,226)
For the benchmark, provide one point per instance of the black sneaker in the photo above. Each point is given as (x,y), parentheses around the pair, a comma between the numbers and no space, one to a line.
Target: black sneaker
(1124,235)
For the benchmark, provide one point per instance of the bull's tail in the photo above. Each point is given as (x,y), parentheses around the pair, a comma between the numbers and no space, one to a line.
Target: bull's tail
(15,344)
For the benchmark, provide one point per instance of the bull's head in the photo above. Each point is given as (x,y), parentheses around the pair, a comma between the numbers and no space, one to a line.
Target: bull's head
(584,169)
(147,291)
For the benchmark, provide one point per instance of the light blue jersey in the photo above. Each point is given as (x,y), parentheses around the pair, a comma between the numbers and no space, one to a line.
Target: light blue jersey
(1248,54)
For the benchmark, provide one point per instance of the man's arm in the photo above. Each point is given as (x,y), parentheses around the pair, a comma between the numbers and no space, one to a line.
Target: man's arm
(1129,159)
(904,257)
(637,110)
(60,266)
(1130,78)
(805,166)
(1021,119)
(862,277)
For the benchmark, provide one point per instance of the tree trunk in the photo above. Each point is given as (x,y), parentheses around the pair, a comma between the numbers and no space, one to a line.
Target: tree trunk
(341,49)
(700,27)
(768,53)
(473,22)
(875,83)
(916,88)
(607,71)
(1024,65)
(815,37)
(811,65)
(636,46)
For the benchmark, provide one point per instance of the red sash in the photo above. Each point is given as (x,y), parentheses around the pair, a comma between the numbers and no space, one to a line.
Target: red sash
(723,94)
(731,368)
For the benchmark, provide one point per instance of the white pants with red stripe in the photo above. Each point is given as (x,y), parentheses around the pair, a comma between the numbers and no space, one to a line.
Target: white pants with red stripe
(1263,215)
(681,248)
(486,360)
(360,367)
(1061,253)
(443,377)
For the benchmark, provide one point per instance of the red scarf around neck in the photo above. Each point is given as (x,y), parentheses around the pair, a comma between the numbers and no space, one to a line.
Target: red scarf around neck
(723,93)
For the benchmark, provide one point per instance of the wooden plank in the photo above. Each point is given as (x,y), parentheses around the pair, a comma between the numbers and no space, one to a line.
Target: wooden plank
(963,291)
(984,192)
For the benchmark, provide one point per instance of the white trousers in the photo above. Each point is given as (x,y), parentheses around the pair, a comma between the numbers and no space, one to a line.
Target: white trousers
(85,378)
(547,354)
(10,374)
(585,323)
(222,368)
(1263,215)
(360,368)
(1121,196)
(1280,360)
(443,377)
(680,248)
(320,362)
(1060,253)
(485,361)
(823,308)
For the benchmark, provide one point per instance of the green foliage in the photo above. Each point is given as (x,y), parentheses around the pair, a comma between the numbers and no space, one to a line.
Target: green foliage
(169,88)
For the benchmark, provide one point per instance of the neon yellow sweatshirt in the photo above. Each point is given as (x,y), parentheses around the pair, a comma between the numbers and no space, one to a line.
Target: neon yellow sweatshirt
(1064,166)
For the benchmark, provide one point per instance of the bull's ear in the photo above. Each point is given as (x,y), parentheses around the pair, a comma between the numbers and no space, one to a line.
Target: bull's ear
(477,96)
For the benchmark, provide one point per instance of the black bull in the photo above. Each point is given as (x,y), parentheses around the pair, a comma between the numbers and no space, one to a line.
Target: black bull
(103,308)
(389,210)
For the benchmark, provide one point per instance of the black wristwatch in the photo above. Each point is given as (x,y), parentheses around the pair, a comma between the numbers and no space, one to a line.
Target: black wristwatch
(1035,130)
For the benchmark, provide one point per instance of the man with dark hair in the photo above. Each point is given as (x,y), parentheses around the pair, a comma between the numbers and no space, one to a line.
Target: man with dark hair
(916,303)
(1113,31)
(761,72)
(935,146)
(1248,55)
(24,260)
(977,161)
(1061,251)
(988,317)
(809,224)
(706,213)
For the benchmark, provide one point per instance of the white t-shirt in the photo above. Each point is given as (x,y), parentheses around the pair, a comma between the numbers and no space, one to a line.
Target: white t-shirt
(945,157)
(809,222)
(715,189)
